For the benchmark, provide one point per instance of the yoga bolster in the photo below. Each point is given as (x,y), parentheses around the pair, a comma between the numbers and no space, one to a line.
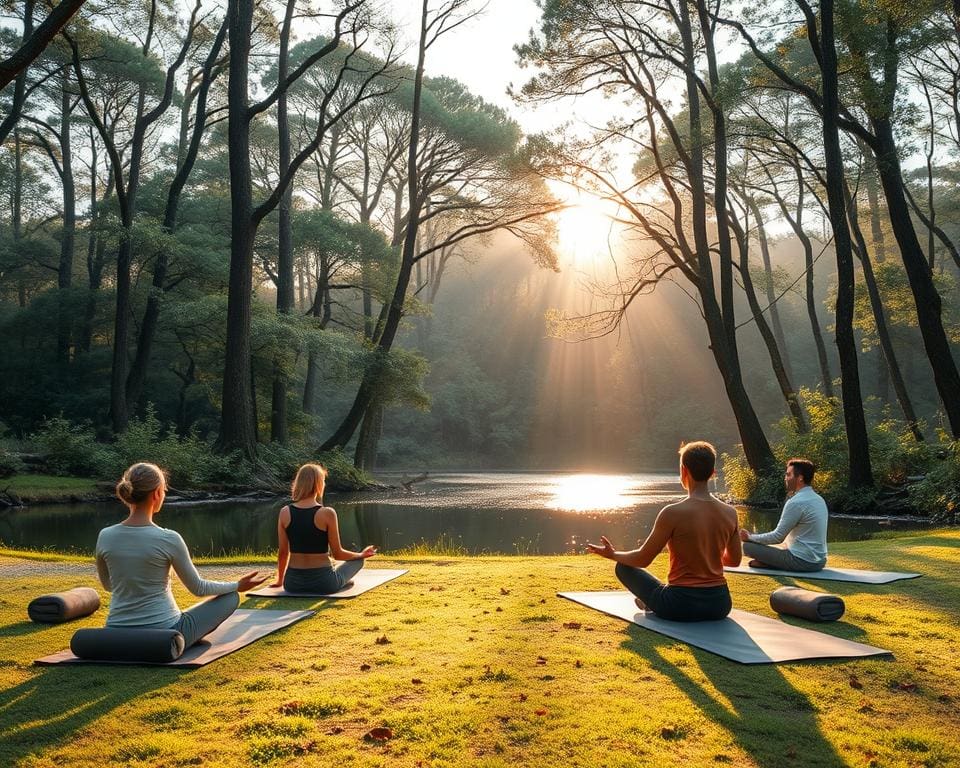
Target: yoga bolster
(122,644)
(815,606)
(63,606)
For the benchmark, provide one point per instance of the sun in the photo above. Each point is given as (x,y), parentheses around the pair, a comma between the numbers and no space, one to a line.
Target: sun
(585,228)
(589,493)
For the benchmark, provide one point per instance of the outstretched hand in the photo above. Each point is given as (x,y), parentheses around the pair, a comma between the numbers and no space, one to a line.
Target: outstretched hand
(250,580)
(368,551)
(604,549)
(744,535)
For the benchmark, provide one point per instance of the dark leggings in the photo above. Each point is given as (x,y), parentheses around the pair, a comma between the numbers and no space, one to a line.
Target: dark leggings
(676,603)
(321,581)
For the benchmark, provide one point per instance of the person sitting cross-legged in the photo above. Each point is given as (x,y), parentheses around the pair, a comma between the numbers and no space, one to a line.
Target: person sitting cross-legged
(802,527)
(700,533)
(134,559)
(308,533)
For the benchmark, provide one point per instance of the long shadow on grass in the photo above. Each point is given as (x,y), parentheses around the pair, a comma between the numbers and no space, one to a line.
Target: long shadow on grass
(767,717)
(53,704)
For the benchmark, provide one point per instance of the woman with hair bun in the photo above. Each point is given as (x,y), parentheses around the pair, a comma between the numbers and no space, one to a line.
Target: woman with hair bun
(308,534)
(134,559)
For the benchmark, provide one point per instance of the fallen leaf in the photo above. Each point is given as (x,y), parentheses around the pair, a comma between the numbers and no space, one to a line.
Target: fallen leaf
(335,730)
(379,734)
(382,640)
(417,681)
(854,683)
(572,625)
(540,712)
(364,667)
(578,664)
(499,609)
(504,591)
(541,661)
(668,732)
(523,697)
(543,601)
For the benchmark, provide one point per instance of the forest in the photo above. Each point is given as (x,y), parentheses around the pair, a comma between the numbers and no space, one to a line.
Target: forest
(237,236)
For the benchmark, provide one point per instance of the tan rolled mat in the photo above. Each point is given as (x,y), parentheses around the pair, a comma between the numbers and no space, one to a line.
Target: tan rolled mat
(362,582)
(828,574)
(240,629)
(743,637)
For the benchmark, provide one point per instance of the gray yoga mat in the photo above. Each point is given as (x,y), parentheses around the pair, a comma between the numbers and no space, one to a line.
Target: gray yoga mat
(743,637)
(364,581)
(828,574)
(240,629)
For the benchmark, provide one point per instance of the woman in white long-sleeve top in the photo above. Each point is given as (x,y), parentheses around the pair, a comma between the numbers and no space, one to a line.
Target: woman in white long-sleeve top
(134,559)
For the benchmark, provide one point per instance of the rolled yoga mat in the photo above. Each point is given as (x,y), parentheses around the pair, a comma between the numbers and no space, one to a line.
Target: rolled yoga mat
(152,646)
(240,629)
(63,606)
(807,604)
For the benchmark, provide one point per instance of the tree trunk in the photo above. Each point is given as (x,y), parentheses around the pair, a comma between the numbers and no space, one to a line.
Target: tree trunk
(237,429)
(279,431)
(67,239)
(187,156)
(926,297)
(365,455)
(861,474)
(781,339)
(880,320)
(779,369)
(368,385)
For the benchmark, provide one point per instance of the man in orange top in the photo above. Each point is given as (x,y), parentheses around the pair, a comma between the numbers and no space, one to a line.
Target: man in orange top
(701,533)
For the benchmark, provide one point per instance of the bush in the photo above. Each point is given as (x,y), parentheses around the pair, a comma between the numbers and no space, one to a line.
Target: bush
(10,464)
(282,461)
(938,494)
(894,455)
(188,460)
(71,449)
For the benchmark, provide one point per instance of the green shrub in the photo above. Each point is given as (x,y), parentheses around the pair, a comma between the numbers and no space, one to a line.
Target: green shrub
(938,494)
(282,462)
(894,455)
(71,449)
(189,460)
(10,464)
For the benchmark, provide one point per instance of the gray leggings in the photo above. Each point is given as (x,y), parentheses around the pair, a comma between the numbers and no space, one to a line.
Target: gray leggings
(321,581)
(780,558)
(204,617)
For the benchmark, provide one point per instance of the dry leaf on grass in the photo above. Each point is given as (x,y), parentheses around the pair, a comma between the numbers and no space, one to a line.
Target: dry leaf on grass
(379,734)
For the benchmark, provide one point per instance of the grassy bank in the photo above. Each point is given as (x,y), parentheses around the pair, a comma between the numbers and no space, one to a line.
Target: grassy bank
(475,661)
(52,488)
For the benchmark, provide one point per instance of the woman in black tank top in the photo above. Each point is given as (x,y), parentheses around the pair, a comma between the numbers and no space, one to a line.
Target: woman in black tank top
(308,534)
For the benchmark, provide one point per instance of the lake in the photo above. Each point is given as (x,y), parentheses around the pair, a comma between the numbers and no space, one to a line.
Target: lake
(493,512)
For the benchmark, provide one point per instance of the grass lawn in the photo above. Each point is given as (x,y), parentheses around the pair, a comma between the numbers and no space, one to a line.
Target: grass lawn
(47,487)
(476,662)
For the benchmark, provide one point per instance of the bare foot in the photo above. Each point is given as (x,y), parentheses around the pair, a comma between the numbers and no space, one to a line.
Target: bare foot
(758,564)
(640,604)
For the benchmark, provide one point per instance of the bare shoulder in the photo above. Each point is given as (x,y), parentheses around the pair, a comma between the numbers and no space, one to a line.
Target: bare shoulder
(327,513)
(672,509)
(727,509)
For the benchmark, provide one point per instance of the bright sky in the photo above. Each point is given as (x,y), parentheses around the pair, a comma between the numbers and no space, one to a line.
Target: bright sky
(480,55)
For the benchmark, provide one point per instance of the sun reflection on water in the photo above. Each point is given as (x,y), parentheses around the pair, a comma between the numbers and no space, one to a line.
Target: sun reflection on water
(591,493)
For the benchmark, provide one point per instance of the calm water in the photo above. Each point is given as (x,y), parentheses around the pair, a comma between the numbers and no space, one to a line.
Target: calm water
(497,512)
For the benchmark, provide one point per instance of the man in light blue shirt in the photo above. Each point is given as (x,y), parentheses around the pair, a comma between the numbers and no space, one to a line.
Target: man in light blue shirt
(802,527)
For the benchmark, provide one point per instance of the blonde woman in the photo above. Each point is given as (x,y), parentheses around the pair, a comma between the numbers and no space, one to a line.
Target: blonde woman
(134,558)
(308,535)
